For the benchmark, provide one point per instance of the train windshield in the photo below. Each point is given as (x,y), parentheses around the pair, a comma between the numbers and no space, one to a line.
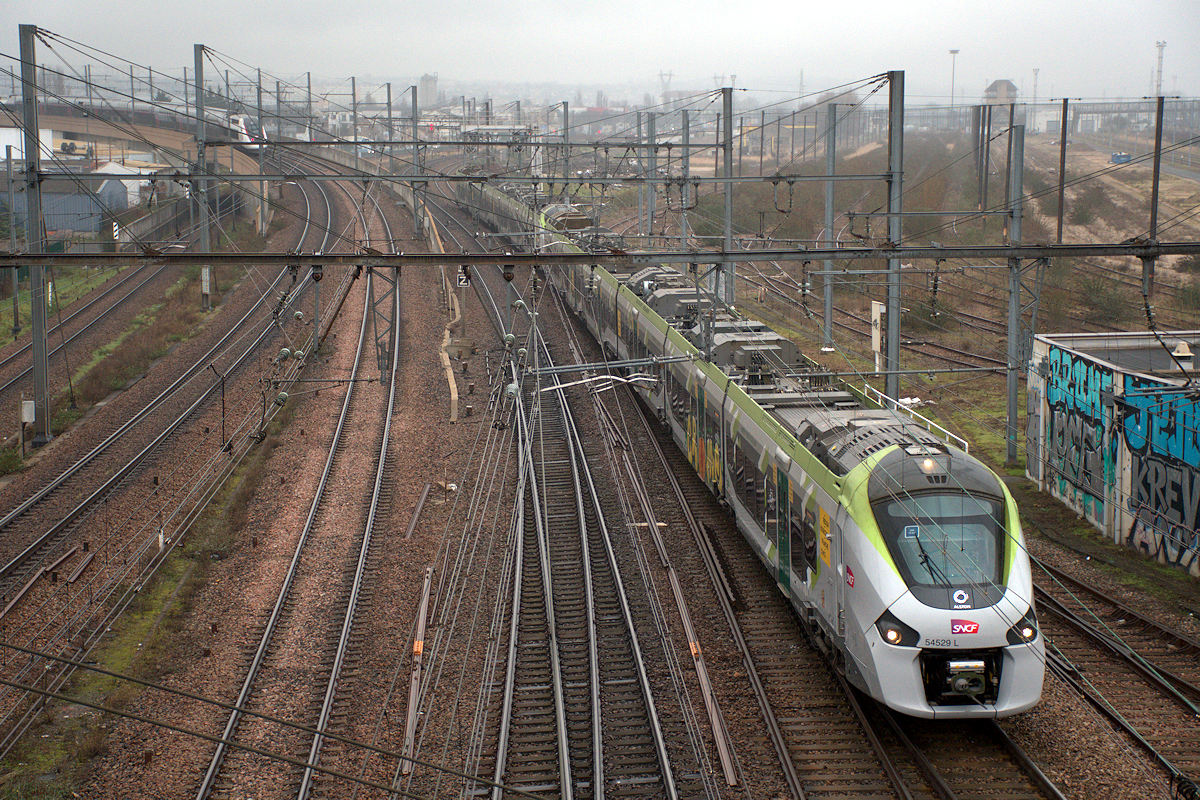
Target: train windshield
(943,539)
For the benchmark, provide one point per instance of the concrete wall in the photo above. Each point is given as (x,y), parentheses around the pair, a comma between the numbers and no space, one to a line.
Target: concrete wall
(1121,449)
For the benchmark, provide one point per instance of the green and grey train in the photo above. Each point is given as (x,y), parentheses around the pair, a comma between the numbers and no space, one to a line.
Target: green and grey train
(902,552)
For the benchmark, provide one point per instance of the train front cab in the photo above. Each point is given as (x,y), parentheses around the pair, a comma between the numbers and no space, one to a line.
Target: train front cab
(939,621)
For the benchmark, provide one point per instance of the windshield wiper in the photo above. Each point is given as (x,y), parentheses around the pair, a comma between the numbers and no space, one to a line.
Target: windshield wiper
(933,569)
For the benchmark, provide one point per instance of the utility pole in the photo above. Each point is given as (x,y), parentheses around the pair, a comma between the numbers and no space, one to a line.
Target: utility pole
(641,159)
(1016,169)
(187,103)
(725,285)
(895,224)
(308,105)
(34,243)
(1148,263)
(684,194)
(132,91)
(262,187)
(416,165)
(353,119)
(278,111)
(12,240)
(1158,72)
(762,139)
(953,65)
(566,151)
(827,282)
(652,167)
(1031,123)
(389,125)
(202,184)
(1062,168)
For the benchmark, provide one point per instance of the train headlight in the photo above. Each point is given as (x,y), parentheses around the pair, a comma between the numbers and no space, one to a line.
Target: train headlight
(895,632)
(1024,631)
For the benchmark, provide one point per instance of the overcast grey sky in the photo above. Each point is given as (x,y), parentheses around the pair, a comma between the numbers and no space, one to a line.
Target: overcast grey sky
(1083,49)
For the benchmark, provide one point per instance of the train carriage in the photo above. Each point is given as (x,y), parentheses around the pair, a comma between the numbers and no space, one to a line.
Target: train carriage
(902,552)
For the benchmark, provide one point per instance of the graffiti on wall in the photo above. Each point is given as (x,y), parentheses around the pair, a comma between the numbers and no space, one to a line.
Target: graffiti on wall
(1162,434)
(1079,467)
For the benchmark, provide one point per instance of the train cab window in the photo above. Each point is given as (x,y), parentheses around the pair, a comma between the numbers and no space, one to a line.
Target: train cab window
(944,538)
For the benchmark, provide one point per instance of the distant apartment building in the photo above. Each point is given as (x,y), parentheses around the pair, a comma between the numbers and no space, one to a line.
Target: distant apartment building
(427,91)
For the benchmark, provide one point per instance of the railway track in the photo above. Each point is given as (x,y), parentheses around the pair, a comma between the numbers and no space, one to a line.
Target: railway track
(302,606)
(1143,676)
(578,716)
(303,603)
(25,524)
(49,616)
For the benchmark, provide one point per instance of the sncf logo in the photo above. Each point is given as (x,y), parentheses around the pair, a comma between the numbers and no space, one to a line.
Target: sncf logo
(963,626)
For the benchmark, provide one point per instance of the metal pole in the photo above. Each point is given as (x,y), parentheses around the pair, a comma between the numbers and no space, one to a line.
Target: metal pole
(34,243)
(1148,263)
(953,64)
(132,91)
(684,194)
(987,159)
(717,145)
(762,139)
(1015,178)
(308,123)
(642,183)
(354,118)
(827,278)
(262,187)
(416,157)
(566,151)
(187,102)
(652,168)
(895,223)
(278,111)
(202,184)
(741,137)
(1158,137)
(389,124)
(12,240)
(792,147)
(1012,120)
(725,285)
(150,73)
(1062,167)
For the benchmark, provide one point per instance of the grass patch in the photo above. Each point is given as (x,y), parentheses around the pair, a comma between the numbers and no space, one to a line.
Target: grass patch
(10,460)
(148,641)
(70,284)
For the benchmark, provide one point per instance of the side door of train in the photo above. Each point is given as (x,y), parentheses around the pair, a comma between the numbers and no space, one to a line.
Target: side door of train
(779,519)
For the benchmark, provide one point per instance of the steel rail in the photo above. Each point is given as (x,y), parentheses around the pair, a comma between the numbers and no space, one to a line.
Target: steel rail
(199,365)
(208,783)
(339,658)
(124,279)
(724,599)
(1167,682)
(619,587)
(29,715)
